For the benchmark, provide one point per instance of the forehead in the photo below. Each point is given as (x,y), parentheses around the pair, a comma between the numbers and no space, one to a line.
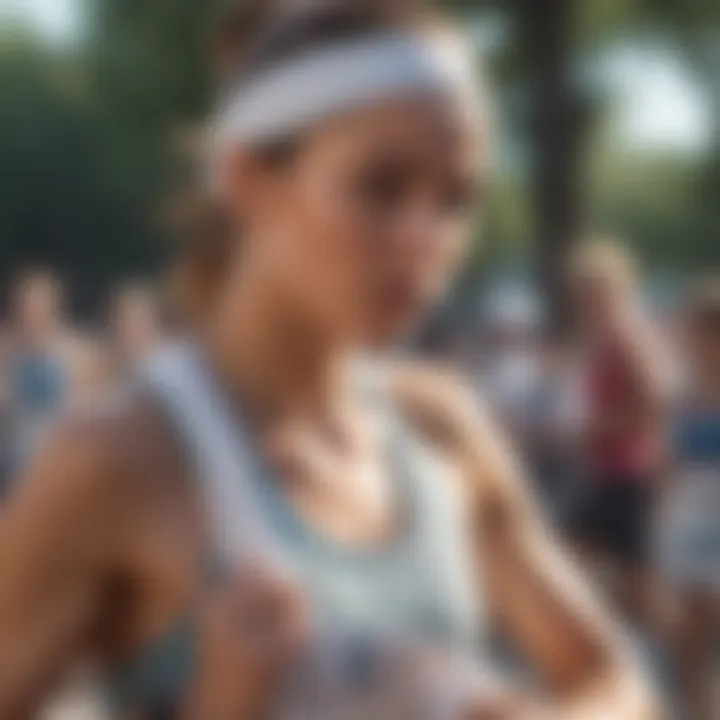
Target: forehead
(427,132)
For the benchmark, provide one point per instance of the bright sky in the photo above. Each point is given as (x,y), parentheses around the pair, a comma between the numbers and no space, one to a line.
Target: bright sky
(57,20)
(659,106)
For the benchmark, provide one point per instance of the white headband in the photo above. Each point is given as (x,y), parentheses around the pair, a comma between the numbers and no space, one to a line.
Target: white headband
(318,85)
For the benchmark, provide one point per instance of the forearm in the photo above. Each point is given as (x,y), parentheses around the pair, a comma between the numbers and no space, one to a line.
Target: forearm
(621,695)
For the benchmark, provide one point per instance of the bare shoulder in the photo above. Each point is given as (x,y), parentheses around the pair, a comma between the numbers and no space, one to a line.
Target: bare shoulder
(445,405)
(101,468)
(452,415)
(440,404)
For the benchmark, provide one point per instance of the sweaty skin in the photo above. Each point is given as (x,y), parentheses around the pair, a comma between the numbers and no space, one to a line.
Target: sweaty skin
(100,553)
(534,591)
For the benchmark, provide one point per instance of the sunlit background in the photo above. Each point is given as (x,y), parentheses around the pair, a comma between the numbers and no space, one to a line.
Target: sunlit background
(607,120)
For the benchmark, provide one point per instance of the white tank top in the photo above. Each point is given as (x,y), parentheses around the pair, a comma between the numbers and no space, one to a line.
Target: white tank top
(397,628)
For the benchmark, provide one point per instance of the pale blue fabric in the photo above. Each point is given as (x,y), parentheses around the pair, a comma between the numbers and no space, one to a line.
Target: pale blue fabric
(420,585)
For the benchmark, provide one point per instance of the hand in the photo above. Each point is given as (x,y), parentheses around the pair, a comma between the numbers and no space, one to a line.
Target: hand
(251,633)
(502,703)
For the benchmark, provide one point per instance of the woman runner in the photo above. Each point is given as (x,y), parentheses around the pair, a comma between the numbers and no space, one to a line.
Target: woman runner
(628,388)
(348,150)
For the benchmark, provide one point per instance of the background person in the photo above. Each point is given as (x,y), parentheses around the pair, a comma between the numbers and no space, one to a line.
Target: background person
(44,366)
(690,533)
(551,422)
(627,392)
(135,325)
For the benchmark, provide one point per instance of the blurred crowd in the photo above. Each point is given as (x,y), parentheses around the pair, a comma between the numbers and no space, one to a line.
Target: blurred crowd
(49,364)
(617,421)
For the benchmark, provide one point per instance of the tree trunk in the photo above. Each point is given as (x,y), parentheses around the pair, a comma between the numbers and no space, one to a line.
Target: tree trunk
(558,134)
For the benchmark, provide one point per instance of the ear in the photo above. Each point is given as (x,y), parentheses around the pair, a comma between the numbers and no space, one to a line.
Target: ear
(235,179)
(247,183)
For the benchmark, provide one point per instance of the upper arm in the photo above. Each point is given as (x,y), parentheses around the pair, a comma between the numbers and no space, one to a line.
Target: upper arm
(649,364)
(56,536)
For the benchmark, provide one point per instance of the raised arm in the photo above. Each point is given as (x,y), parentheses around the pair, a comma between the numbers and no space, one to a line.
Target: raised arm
(648,366)
(56,538)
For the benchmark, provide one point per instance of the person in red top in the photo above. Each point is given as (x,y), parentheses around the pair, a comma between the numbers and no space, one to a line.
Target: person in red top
(627,383)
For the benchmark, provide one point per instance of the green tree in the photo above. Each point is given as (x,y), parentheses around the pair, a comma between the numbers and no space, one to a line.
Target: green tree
(547,43)
(57,202)
(86,138)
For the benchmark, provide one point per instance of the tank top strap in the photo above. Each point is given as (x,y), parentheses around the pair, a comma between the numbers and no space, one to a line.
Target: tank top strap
(441,533)
(410,453)
(247,525)
(416,589)
(221,446)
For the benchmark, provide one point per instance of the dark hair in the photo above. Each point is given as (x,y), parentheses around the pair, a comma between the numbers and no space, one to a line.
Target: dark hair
(249,38)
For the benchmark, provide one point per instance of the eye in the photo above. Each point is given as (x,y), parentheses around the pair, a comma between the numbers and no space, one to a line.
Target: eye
(384,187)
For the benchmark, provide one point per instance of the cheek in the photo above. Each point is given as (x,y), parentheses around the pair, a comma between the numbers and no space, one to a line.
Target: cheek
(326,254)
(361,271)
(334,238)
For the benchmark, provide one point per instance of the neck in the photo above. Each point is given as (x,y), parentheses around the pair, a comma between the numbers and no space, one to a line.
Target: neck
(271,357)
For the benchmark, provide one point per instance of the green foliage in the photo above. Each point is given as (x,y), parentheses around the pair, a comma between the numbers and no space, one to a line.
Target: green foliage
(58,200)
(86,136)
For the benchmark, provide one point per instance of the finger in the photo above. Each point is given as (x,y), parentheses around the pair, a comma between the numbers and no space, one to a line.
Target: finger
(254,577)
(273,656)
(266,608)
(275,606)
(266,627)
(287,641)
(501,706)
(261,578)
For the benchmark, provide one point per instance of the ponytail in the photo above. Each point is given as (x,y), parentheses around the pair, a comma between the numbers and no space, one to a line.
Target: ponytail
(208,242)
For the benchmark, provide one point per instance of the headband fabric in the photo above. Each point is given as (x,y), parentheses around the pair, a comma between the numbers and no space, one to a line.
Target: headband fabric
(318,85)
